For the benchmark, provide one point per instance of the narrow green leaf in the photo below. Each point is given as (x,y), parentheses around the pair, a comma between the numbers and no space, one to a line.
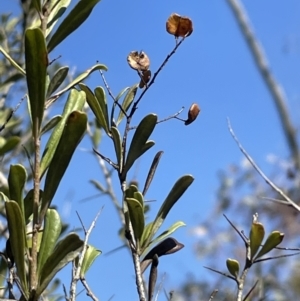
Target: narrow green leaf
(57,9)
(273,240)
(90,256)
(101,97)
(95,106)
(28,204)
(136,213)
(164,234)
(51,124)
(98,185)
(75,82)
(16,229)
(152,171)
(118,145)
(16,181)
(146,236)
(52,230)
(128,99)
(7,145)
(36,61)
(75,102)
(233,267)
(174,195)
(139,197)
(65,251)
(257,234)
(57,80)
(76,17)
(70,138)
(12,61)
(140,137)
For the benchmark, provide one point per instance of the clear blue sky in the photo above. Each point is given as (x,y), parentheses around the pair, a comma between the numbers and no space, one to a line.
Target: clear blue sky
(214,68)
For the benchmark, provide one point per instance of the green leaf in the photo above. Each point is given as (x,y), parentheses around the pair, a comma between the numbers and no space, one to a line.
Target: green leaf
(65,251)
(233,267)
(36,61)
(12,61)
(101,97)
(139,141)
(127,102)
(73,133)
(136,213)
(7,145)
(95,105)
(273,240)
(57,80)
(51,124)
(114,105)
(257,234)
(118,146)
(57,9)
(52,230)
(76,17)
(16,182)
(163,235)
(174,195)
(89,257)
(75,101)
(28,204)
(16,229)
(75,82)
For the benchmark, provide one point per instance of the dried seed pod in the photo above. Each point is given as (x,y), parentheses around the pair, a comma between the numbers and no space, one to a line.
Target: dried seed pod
(179,26)
(145,78)
(138,61)
(192,114)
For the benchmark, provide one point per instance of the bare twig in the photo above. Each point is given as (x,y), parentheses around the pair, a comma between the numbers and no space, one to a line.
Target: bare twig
(274,87)
(88,290)
(77,269)
(114,165)
(268,181)
(213,294)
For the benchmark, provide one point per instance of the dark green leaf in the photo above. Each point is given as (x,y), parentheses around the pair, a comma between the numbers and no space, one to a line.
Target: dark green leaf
(136,213)
(75,101)
(7,145)
(76,17)
(273,240)
(36,61)
(127,102)
(57,80)
(233,267)
(52,230)
(118,145)
(96,106)
(257,234)
(28,204)
(51,124)
(101,97)
(16,182)
(73,132)
(65,251)
(174,195)
(138,144)
(16,229)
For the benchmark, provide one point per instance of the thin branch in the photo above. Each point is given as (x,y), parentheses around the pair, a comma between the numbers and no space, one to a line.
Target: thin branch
(88,290)
(114,165)
(221,273)
(213,294)
(274,87)
(77,269)
(268,181)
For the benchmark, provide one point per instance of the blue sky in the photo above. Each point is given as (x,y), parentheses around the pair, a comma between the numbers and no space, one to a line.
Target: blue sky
(214,68)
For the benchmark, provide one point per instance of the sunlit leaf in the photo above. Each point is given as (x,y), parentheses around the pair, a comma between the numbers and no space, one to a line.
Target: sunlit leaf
(233,267)
(273,240)
(57,80)
(257,234)
(90,256)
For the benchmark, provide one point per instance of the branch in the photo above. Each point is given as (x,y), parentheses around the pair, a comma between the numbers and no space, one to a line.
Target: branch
(76,270)
(269,182)
(274,87)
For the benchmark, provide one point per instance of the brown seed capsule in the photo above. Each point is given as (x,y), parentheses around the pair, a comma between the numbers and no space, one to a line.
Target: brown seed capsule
(138,61)
(179,26)
(192,114)
(145,78)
